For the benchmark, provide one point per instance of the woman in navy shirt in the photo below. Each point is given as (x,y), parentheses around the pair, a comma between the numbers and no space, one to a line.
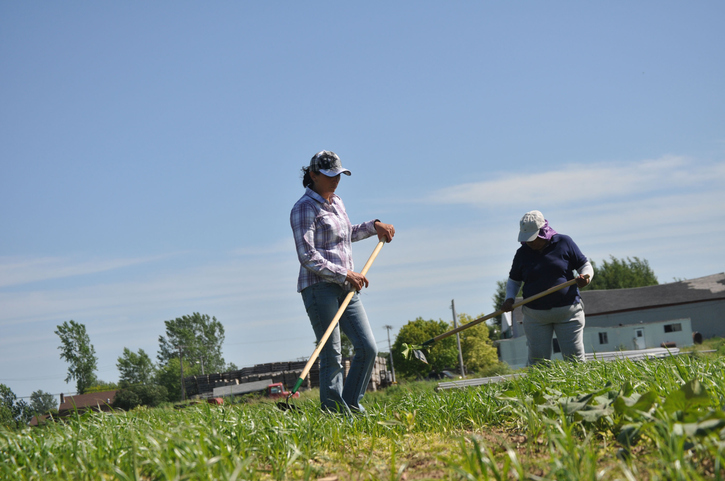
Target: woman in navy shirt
(544,260)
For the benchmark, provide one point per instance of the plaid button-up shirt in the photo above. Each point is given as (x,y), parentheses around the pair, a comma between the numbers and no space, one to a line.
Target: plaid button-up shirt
(323,237)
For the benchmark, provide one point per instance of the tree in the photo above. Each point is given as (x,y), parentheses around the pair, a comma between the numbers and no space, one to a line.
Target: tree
(77,350)
(622,274)
(346,348)
(169,376)
(140,395)
(442,355)
(135,368)
(498,298)
(101,386)
(478,352)
(201,338)
(13,413)
(43,402)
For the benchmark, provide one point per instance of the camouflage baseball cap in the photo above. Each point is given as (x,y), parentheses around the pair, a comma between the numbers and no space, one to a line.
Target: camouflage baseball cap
(328,163)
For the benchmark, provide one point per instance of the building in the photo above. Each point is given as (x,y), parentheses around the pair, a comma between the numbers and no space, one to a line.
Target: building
(702,300)
(97,401)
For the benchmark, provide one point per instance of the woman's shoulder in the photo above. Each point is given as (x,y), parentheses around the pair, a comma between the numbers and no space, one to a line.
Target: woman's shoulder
(305,204)
(565,241)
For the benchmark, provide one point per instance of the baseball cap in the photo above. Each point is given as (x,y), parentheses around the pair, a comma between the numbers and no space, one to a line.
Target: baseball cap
(530,224)
(328,163)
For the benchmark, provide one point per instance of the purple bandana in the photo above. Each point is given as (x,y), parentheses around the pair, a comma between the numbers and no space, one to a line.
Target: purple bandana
(546,232)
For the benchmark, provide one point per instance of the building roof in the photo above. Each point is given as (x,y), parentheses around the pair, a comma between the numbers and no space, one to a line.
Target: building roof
(702,289)
(96,400)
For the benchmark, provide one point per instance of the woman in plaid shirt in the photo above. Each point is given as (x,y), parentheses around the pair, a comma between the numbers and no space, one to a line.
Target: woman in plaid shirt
(323,237)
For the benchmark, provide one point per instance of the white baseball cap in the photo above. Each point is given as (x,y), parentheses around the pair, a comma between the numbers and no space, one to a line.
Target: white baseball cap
(530,224)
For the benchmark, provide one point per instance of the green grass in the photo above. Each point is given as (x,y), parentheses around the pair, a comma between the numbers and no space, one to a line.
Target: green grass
(624,420)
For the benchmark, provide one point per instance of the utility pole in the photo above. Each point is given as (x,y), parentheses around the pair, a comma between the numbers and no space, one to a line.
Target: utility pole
(390,352)
(458,338)
(181,365)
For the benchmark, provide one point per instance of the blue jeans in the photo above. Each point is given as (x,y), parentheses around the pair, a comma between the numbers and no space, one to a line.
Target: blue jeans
(322,301)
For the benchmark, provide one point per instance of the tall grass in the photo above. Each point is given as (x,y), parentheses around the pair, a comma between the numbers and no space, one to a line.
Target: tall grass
(653,420)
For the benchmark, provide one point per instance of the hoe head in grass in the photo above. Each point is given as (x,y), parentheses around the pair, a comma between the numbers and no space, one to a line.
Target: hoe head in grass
(411,351)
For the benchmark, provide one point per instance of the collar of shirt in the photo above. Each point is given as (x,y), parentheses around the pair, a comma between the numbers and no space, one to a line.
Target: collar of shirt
(314,195)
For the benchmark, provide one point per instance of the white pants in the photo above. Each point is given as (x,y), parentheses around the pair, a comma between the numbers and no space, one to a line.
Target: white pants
(567,322)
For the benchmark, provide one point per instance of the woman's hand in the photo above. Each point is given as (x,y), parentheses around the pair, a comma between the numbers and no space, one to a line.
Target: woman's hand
(507,305)
(582,281)
(357,280)
(385,231)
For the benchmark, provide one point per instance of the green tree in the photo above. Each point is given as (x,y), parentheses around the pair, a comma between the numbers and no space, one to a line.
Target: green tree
(476,347)
(169,376)
(77,350)
(201,337)
(43,402)
(442,355)
(140,395)
(622,274)
(101,386)
(14,413)
(135,368)
(346,348)
(498,297)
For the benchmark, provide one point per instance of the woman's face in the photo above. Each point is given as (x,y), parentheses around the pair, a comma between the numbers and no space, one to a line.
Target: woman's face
(537,244)
(323,183)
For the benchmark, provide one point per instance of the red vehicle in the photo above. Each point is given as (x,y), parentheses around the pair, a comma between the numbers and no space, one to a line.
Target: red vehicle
(276,391)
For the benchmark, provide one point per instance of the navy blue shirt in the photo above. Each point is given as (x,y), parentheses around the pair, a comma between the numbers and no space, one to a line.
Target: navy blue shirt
(541,270)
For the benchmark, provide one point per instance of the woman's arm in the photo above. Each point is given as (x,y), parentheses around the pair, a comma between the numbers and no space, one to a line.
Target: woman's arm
(512,288)
(587,270)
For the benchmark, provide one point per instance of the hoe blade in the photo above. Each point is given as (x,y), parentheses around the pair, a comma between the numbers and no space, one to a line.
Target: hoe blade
(419,356)
(286,405)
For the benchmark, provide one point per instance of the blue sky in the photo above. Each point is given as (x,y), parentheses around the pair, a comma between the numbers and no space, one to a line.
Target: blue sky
(151,152)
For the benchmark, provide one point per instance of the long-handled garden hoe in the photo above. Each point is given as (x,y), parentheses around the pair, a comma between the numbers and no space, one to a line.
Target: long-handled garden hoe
(285,405)
(416,350)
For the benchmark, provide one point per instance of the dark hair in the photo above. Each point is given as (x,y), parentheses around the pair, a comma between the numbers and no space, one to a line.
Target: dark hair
(306,177)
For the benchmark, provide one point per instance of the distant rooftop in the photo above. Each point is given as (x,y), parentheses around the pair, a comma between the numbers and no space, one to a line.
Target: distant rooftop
(702,289)
(96,400)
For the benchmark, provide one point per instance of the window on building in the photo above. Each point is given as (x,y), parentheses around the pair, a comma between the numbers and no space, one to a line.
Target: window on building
(673,327)
(603,338)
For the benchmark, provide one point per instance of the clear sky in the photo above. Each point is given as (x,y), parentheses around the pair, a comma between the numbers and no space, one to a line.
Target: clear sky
(150,154)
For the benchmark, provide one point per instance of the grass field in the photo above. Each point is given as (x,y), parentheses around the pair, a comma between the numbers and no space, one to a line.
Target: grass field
(644,420)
